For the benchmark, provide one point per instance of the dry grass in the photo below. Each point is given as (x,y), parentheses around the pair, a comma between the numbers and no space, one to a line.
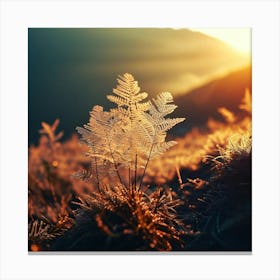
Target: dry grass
(148,217)
(70,214)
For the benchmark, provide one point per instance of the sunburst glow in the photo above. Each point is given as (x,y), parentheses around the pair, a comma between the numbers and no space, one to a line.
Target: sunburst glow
(238,38)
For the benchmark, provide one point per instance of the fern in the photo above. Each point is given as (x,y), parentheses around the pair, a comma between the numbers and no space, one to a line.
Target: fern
(130,135)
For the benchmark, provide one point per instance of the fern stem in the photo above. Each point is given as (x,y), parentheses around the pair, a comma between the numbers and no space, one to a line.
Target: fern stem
(97,176)
(129,176)
(135,172)
(148,159)
(114,162)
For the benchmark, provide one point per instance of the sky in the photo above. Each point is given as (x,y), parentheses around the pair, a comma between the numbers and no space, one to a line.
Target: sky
(72,69)
(238,38)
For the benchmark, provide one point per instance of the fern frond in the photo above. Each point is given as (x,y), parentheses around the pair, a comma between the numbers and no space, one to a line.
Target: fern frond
(161,148)
(120,101)
(162,103)
(163,125)
(135,129)
(127,86)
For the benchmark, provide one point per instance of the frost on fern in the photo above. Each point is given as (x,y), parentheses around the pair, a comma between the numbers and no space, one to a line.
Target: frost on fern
(128,136)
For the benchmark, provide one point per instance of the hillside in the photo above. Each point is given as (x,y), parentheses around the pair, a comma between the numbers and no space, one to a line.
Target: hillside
(71,70)
(201,103)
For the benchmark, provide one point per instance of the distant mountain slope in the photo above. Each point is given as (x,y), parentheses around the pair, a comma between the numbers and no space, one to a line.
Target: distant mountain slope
(200,104)
(72,69)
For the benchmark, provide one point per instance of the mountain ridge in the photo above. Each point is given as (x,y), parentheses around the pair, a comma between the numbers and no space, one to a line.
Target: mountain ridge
(202,103)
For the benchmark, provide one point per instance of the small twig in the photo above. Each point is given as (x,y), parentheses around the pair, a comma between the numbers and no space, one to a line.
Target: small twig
(179,176)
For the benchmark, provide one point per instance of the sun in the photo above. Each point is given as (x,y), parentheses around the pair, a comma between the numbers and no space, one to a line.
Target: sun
(237,38)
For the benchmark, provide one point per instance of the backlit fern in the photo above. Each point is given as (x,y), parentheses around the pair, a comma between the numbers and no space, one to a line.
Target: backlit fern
(130,135)
(121,142)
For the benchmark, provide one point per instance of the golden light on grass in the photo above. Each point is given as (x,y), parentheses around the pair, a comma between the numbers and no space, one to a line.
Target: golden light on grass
(132,202)
(35,248)
(237,38)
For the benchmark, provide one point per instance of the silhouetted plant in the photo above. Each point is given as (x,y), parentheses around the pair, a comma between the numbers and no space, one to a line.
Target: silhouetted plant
(149,218)
(42,233)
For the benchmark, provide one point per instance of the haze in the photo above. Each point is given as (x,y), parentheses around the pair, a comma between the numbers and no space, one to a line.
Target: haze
(70,70)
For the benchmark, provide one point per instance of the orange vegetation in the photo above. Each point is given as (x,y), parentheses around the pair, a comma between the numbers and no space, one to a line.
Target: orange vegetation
(195,147)
(53,188)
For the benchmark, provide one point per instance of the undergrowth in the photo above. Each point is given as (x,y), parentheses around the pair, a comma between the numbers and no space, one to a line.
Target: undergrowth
(126,188)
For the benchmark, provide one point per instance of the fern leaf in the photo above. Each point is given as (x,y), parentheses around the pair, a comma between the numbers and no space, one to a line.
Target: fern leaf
(132,133)
(120,101)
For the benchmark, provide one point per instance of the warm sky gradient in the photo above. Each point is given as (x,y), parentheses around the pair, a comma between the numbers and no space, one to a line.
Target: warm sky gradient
(70,70)
(238,38)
